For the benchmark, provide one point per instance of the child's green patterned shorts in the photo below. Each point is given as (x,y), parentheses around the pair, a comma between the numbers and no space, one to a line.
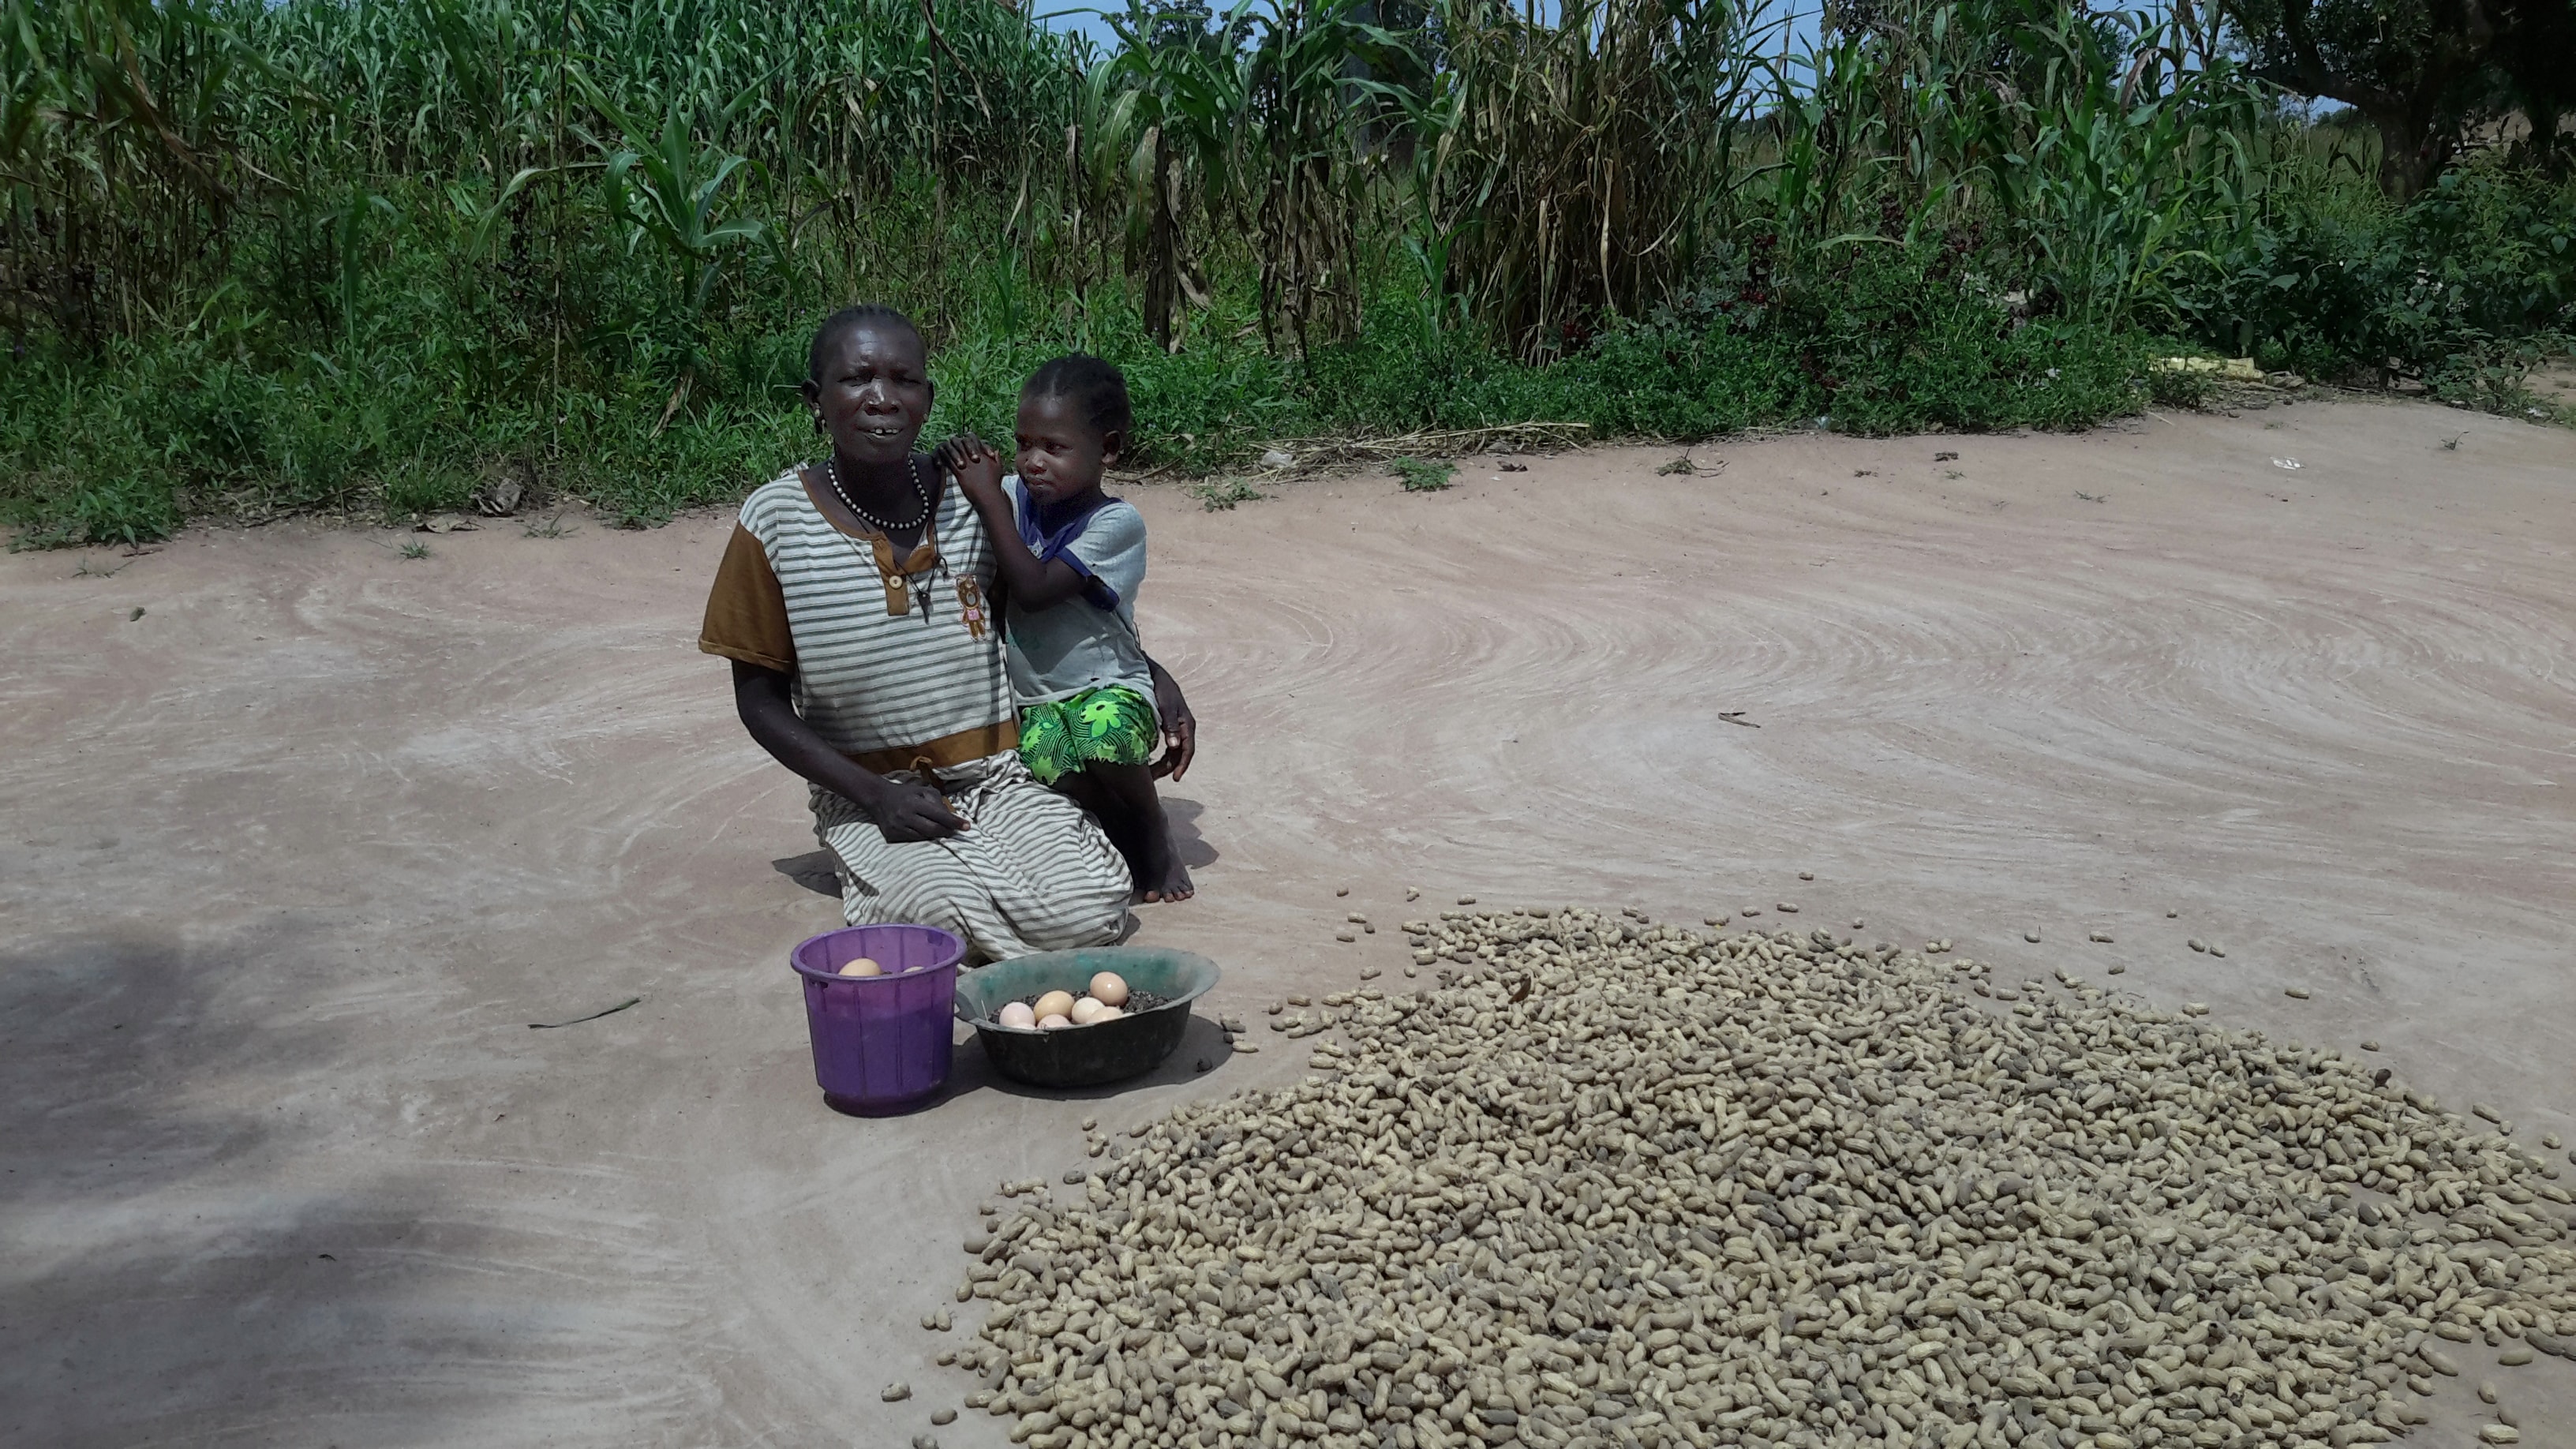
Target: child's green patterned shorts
(1110,726)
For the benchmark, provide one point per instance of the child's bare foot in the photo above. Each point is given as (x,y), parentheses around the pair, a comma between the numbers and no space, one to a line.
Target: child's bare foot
(1175,884)
(1163,859)
(1150,871)
(1158,869)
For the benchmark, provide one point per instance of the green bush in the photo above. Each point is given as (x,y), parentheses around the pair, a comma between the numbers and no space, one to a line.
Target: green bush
(237,413)
(2464,289)
(121,449)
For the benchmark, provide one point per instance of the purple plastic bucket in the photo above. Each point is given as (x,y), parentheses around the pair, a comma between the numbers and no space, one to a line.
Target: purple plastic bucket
(881,1043)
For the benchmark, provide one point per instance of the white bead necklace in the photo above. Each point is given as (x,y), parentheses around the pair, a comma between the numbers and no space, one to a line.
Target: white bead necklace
(832,471)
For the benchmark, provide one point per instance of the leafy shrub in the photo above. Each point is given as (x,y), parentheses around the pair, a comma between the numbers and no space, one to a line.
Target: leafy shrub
(2464,289)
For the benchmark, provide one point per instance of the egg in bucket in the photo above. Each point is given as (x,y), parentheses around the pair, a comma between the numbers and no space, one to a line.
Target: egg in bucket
(877,1011)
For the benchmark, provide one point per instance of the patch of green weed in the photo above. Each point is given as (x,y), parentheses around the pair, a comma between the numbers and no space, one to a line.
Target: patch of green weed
(1421,475)
(1220,495)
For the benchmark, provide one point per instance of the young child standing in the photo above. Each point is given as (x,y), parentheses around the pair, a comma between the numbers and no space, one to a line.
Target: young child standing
(1071,559)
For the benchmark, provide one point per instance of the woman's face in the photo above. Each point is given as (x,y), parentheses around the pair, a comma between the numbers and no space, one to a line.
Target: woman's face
(873,392)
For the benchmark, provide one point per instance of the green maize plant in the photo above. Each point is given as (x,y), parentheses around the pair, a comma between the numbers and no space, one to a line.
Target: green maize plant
(1175,102)
(122,155)
(2127,148)
(667,188)
(1579,163)
(259,255)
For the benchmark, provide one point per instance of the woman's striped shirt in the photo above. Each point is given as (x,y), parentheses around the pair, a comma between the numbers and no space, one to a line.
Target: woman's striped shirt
(897,663)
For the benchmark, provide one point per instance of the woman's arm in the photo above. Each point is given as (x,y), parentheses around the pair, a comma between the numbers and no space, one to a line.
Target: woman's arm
(1180,727)
(768,710)
(978,470)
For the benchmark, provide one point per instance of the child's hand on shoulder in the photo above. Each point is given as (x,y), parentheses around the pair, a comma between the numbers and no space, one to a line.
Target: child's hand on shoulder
(976,466)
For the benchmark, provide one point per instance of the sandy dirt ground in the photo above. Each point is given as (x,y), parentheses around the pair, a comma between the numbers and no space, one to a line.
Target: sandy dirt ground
(289,863)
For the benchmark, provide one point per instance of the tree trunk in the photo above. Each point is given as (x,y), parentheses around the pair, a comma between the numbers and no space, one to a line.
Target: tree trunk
(2417,138)
(2412,151)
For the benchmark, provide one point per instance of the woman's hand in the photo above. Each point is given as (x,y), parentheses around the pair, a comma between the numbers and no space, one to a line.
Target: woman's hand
(902,812)
(914,812)
(976,466)
(1180,727)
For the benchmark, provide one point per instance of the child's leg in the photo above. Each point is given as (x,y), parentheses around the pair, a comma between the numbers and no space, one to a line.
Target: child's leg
(1123,798)
(1122,827)
(1115,823)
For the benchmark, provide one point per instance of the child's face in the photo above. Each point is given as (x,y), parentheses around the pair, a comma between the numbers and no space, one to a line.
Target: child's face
(1061,453)
(873,393)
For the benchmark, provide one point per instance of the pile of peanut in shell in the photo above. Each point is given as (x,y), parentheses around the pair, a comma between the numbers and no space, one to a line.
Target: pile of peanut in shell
(1615,1184)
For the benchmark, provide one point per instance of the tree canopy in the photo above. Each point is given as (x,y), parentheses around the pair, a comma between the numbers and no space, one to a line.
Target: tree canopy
(2423,72)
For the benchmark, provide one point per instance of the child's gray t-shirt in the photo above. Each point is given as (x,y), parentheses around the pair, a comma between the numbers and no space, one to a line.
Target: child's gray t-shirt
(1077,645)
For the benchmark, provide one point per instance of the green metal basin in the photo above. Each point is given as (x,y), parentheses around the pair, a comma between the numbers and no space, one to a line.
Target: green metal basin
(1084,1056)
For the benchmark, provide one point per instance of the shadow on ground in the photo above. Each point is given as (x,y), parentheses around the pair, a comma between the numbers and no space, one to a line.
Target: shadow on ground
(814,870)
(167,1275)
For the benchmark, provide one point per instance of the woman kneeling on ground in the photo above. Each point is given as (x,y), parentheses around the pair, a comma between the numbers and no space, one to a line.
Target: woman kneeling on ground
(855,603)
